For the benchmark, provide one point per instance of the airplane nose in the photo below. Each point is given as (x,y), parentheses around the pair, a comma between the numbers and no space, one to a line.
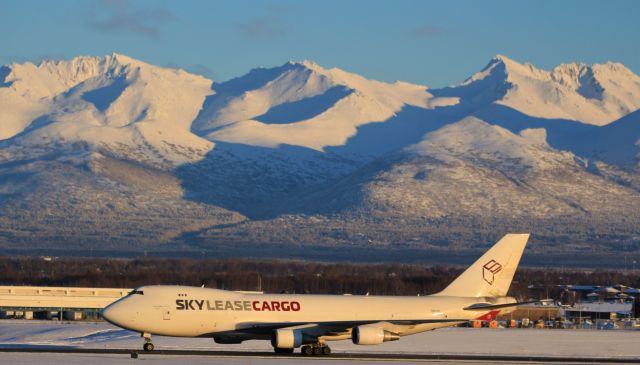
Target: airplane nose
(117,314)
(108,313)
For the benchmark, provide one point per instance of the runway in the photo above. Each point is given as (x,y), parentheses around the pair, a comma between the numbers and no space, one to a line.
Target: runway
(99,343)
(378,358)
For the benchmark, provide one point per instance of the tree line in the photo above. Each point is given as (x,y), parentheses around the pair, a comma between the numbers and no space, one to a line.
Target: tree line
(276,276)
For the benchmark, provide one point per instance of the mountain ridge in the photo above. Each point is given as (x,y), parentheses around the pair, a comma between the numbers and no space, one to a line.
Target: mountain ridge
(113,151)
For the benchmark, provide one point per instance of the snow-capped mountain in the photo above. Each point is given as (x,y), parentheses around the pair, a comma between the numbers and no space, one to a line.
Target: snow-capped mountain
(597,94)
(617,143)
(113,151)
(303,104)
(114,102)
(485,178)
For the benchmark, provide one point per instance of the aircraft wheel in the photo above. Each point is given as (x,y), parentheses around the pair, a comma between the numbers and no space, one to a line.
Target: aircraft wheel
(148,347)
(326,350)
(317,350)
(307,350)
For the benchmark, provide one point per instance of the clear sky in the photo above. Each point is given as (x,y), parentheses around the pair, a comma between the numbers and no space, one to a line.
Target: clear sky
(435,43)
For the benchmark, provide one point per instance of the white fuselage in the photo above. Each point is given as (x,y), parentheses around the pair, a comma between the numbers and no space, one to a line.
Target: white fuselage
(200,312)
(292,320)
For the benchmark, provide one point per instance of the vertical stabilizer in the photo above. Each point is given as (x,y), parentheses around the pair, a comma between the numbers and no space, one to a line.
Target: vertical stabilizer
(491,274)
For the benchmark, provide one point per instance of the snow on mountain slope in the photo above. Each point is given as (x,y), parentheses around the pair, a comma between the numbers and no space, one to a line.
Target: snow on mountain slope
(597,94)
(617,143)
(487,168)
(168,117)
(471,177)
(112,147)
(114,102)
(472,136)
(276,111)
(17,107)
(95,202)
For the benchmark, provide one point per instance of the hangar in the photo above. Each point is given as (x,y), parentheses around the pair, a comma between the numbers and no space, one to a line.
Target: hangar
(51,302)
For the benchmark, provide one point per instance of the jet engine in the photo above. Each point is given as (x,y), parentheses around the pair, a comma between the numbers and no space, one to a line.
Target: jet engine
(286,339)
(363,335)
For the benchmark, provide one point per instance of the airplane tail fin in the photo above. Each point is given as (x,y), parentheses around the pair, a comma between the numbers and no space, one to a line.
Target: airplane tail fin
(491,274)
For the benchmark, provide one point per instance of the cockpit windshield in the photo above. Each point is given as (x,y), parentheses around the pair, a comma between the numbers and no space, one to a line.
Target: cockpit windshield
(138,292)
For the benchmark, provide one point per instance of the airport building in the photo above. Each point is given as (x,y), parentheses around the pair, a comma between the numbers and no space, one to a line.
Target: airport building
(31,302)
(583,306)
(593,304)
(598,310)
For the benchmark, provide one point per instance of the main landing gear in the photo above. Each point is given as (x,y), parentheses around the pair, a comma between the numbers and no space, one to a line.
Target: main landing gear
(316,349)
(148,346)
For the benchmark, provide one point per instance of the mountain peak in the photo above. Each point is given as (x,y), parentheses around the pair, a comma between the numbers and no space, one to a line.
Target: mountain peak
(474,137)
(495,71)
(514,67)
(500,58)
(309,64)
(507,63)
(84,61)
(122,59)
(595,94)
(50,77)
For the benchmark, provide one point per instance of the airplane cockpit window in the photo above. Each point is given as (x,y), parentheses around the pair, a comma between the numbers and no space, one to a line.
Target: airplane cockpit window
(138,292)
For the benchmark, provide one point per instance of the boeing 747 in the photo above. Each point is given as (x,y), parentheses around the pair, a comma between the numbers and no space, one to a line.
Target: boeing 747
(308,321)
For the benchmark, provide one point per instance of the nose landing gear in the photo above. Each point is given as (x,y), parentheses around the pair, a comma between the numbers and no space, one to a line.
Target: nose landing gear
(148,346)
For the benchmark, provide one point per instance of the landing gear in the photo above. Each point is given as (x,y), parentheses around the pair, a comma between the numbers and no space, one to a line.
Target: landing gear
(278,350)
(148,346)
(316,349)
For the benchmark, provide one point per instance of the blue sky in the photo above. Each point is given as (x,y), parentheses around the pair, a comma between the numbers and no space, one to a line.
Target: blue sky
(436,43)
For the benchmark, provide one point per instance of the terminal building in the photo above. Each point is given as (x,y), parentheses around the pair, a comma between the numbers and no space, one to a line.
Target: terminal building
(581,306)
(40,302)
(602,302)
(598,310)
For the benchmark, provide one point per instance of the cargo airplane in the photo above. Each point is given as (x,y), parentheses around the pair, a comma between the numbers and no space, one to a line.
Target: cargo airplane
(308,321)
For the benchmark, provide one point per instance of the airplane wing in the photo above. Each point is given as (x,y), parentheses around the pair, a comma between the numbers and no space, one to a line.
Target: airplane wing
(329,328)
(341,327)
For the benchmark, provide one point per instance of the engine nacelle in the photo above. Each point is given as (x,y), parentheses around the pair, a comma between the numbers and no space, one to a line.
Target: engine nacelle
(286,339)
(363,335)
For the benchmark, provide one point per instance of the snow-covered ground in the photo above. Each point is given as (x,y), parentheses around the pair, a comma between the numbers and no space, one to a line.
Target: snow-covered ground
(108,359)
(468,341)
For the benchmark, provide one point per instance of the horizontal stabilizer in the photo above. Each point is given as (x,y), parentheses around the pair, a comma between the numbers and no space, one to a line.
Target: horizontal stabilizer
(489,306)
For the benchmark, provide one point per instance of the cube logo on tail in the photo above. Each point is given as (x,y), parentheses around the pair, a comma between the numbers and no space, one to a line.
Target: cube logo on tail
(489,271)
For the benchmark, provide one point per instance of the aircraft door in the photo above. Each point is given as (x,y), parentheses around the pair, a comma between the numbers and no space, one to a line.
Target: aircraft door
(166,313)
